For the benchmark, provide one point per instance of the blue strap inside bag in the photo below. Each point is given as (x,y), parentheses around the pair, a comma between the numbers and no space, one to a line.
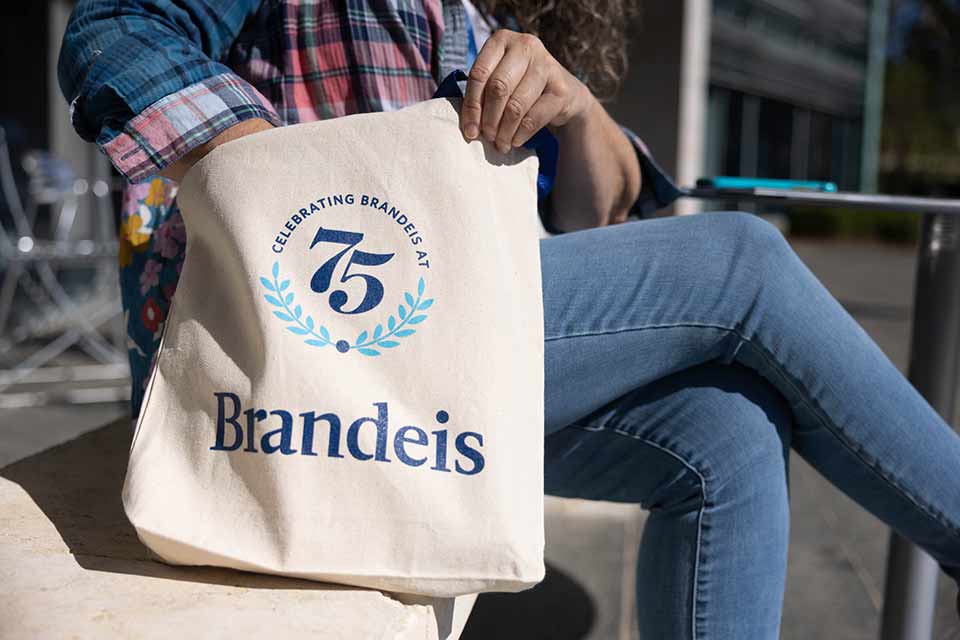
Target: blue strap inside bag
(543,142)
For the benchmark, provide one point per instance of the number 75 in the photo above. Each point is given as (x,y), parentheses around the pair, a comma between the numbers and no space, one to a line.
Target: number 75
(321,280)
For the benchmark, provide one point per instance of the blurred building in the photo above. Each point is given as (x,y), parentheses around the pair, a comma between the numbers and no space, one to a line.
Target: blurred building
(786,93)
(768,88)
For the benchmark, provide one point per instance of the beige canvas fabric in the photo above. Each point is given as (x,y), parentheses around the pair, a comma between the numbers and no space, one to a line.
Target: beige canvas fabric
(350,384)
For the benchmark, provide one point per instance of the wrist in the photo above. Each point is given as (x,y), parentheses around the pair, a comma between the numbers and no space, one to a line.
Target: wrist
(586,107)
(176,170)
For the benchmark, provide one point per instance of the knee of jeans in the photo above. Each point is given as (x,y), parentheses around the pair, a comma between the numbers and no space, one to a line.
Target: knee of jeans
(732,438)
(750,453)
(747,232)
(744,426)
(753,254)
(742,463)
(745,475)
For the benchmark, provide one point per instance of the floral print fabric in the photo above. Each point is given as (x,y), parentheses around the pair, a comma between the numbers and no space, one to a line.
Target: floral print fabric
(152,247)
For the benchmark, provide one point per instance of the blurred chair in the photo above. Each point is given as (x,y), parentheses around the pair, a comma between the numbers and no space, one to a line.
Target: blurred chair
(58,288)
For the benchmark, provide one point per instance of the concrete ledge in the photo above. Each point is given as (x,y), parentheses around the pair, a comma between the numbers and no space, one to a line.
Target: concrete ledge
(72,566)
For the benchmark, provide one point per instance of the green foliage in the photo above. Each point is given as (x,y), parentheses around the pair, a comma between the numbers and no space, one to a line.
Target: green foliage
(922,96)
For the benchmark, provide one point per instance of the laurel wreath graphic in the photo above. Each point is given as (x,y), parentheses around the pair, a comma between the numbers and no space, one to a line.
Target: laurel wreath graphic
(368,342)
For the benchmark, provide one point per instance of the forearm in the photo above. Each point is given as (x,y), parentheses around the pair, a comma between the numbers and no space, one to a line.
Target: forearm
(598,174)
(178,169)
(145,80)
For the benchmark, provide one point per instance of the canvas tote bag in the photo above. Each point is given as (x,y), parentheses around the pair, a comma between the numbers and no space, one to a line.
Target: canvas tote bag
(349,387)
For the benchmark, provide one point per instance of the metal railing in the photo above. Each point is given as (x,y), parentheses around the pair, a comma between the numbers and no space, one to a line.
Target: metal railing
(911,580)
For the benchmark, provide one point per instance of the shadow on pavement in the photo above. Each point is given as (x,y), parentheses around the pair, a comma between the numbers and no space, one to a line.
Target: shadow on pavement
(556,609)
(77,485)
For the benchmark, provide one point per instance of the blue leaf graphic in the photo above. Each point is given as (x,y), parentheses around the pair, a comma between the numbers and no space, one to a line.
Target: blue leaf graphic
(305,326)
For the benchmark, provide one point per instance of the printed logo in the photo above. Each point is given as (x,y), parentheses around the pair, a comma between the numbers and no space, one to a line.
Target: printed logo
(364,290)
(348,277)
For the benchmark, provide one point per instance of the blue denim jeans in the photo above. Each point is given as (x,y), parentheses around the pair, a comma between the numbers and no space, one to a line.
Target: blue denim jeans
(685,357)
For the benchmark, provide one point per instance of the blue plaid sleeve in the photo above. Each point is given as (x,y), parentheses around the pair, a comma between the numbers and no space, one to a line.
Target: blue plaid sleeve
(119,57)
(657,189)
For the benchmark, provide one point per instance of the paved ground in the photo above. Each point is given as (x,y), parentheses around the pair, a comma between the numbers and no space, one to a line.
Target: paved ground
(837,554)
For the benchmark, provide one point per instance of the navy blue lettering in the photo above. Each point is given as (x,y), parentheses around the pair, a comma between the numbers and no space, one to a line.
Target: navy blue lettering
(222,420)
(411,444)
(470,453)
(353,435)
(285,432)
(253,416)
(309,419)
(441,461)
(401,439)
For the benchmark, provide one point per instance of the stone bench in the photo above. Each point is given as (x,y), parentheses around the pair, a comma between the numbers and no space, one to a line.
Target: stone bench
(72,566)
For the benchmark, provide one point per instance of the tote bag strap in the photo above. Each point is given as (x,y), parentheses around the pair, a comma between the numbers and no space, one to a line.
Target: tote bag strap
(543,142)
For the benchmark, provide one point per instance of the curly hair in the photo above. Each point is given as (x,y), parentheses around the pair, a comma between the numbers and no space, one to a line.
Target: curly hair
(588,37)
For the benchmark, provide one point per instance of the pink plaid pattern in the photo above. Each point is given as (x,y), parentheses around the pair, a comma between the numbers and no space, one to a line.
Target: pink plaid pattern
(169,128)
(331,61)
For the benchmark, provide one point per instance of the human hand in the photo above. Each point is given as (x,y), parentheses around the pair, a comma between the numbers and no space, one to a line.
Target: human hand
(515,88)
